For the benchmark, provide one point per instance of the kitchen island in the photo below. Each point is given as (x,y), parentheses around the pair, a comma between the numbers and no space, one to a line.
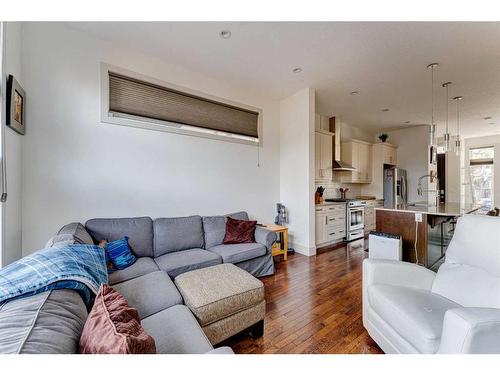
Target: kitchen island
(425,240)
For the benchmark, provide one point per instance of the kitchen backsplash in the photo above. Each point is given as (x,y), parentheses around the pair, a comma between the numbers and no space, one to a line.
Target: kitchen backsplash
(332,189)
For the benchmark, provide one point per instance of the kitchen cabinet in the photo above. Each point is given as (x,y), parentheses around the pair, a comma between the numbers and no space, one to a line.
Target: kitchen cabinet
(359,155)
(323,156)
(382,153)
(324,123)
(370,222)
(389,154)
(320,227)
(330,223)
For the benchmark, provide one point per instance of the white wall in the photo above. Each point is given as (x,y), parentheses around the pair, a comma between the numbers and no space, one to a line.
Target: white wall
(297,168)
(413,155)
(352,132)
(76,168)
(11,210)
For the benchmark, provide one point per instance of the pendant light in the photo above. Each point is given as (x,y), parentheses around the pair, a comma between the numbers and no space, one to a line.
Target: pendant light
(458,146)
(446,135)
(432,128)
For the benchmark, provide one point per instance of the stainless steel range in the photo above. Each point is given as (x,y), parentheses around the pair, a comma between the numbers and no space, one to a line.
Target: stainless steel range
(355,217)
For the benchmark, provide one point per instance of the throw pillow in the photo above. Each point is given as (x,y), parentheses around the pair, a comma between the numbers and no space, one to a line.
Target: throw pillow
(109,264)
(120,254)
(239,231)
(114,327)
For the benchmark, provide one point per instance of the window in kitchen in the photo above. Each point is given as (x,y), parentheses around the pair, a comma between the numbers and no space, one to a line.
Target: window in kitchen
(481,175)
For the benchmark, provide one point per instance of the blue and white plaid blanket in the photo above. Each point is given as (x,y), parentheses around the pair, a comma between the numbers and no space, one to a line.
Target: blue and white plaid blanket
(79,267)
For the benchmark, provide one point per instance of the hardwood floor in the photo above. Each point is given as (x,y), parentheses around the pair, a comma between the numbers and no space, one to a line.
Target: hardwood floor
(313,306)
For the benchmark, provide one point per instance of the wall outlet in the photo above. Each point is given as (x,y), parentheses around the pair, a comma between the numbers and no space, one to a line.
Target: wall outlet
(418,217)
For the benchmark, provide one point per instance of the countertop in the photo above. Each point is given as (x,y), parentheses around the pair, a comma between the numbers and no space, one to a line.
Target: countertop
(443,209)
(328,204)
(332,203)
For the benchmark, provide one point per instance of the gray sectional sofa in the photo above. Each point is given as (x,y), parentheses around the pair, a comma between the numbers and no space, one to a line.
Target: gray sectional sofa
(52,322)
(181,244)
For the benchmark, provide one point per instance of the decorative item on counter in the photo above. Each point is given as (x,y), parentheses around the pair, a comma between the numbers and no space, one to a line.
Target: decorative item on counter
(343,192)
(318,196)
(383,137)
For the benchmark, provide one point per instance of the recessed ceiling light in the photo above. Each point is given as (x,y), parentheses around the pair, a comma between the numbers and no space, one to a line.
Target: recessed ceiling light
(487,118)
(225,34)
(354,93)
(297,70)
(385,110)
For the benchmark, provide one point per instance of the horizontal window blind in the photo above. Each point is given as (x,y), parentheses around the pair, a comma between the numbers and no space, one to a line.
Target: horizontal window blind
(481,162)
(138,98)
(481,155)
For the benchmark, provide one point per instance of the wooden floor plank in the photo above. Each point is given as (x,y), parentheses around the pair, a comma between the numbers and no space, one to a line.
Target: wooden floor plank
(313,305)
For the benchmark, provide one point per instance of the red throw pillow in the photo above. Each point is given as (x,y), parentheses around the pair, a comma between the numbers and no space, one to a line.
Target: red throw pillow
(239,231)
(114,327)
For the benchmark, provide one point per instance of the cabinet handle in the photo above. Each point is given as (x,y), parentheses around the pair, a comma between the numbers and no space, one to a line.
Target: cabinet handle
(326,219)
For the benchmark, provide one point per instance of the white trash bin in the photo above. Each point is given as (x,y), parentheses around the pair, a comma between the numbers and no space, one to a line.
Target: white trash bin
(385,246)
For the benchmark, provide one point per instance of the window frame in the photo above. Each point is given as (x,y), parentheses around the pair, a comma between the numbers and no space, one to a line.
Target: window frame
(108,117)
(482,162)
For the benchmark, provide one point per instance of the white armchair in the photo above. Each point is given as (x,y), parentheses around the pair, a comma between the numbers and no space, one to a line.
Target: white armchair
(410,309)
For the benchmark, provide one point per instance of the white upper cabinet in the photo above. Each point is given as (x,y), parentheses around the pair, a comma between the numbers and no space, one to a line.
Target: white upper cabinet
(323,156)
(382,153)
(389,153)
(317,156)
(359,155)
(324,124)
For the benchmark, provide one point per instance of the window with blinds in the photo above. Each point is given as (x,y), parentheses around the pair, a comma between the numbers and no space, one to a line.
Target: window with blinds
(139,100)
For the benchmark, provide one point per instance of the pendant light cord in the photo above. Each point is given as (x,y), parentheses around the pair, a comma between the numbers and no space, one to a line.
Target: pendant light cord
(457,141)
(432,98)
(446,135)
(432,128)
(447,84)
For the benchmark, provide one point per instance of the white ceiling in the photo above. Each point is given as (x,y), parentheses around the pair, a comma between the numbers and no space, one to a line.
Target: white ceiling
(385,62)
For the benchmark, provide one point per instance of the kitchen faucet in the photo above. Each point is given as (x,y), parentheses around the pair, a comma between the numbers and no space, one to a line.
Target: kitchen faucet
(432,177)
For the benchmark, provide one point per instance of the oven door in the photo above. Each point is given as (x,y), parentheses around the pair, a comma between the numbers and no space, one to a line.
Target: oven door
(355,218)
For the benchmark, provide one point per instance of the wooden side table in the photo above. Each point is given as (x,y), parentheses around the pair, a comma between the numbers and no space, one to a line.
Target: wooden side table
(278,247)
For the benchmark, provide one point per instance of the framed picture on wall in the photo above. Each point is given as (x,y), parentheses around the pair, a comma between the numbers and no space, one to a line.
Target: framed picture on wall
(16,104)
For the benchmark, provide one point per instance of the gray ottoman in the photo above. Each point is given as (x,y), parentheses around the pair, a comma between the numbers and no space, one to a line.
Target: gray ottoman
(225,300)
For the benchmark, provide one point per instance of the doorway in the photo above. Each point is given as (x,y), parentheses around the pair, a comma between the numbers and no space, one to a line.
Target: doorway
(441,172)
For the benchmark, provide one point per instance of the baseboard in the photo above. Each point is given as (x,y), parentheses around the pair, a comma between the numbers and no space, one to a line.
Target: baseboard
(304,250)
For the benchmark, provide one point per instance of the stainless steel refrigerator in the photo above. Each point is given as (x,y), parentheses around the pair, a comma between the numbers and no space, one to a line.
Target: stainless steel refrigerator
(395,187)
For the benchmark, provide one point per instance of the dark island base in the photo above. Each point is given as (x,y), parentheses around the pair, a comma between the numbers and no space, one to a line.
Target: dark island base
(403,224)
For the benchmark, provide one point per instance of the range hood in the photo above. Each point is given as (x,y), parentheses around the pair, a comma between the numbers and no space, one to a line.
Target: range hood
(337,164)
